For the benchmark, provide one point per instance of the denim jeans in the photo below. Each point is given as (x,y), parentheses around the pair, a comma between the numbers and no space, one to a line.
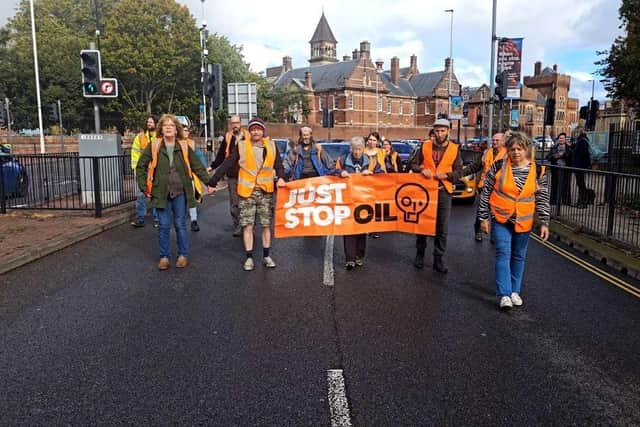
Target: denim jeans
(141,208)
(178,206)
(511,251)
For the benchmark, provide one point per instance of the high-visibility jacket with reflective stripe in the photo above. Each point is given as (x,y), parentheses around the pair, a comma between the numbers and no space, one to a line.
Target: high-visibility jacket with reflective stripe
(229,135)
(507,201)
(140,142)
(446,162)
(487,160)
(249,175)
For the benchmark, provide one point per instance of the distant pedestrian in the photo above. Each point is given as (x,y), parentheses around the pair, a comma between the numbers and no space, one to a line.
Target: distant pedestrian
(515,189)
(356,162)
(483,163)
(561,155)
(582,160)
(197,184)
(307,159)
(259,165)
(438,159)
(140,142)
(228,146)
(164,172)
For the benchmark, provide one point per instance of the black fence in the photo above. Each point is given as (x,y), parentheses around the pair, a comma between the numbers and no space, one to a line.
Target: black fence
(606,204)
(65,182)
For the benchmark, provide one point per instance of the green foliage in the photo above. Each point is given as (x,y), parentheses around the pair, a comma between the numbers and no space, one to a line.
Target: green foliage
(621,64)
(289,103)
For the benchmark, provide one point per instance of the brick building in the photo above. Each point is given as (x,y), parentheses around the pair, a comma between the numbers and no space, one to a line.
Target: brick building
(360,92)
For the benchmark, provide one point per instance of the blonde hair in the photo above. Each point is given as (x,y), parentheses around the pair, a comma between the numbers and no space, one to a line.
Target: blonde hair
(176,123)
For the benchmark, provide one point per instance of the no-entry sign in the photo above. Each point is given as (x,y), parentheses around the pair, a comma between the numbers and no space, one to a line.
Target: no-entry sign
(109,88)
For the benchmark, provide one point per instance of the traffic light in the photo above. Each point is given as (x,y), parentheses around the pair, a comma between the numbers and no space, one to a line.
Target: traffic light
(584,113)
(594,106)
(213,85)
(501,85)
(549,112)
(91,72)
(52,112)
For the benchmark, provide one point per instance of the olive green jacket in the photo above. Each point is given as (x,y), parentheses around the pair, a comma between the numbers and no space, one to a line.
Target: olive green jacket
(160,189)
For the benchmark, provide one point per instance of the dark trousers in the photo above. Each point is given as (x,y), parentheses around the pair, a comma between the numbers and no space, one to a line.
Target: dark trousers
(582,188)
(355,246)
(442,227)
(560,186)
(234,201)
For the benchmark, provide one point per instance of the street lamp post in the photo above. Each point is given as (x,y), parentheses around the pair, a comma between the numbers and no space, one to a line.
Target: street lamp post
(450,62)
(35,66)
(492,73)
(378,69)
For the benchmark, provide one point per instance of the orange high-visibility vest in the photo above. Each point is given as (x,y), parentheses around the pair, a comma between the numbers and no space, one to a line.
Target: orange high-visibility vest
(506,201)
(446,163)
(151,169)
(379,159)
(142,137)
(229,135)
(249,175)
(488,159)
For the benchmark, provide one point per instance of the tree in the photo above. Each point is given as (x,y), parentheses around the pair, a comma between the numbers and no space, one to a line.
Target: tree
(289,104)
(621,66)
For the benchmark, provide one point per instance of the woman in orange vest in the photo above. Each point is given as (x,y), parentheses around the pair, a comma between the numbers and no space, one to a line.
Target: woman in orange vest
(514,190)
(391,160)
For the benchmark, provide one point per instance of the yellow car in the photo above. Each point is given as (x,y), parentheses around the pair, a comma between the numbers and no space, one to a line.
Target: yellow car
(465,189)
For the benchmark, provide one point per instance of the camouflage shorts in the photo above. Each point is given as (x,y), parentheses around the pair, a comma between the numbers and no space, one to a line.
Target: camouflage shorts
(257,208)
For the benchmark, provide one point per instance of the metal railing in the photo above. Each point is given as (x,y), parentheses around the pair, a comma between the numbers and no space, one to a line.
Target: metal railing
(65,182)
(606,204)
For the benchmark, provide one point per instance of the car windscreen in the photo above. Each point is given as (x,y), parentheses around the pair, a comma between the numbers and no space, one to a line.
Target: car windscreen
(335,150)
(402,148)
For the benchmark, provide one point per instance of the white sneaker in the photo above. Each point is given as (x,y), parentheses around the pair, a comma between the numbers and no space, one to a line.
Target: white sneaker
(516,300)
(248,264)
(505,302)
(268,262)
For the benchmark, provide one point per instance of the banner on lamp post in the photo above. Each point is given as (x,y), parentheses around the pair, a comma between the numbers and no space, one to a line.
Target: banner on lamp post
(510,59)
(456,107)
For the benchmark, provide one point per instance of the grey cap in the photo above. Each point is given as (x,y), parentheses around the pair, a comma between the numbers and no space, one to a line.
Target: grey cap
(442,122)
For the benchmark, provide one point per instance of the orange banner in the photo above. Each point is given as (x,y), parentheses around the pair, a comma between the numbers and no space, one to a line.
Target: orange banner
(331,205)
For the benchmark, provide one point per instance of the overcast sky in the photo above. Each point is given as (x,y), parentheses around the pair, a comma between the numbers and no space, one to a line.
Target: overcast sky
(562,32)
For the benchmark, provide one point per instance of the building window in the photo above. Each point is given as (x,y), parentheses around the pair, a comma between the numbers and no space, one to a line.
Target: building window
(320,104)
(426,108)
(411,106)
(388,106)
(379,103)
(482,95)
(333,98)
(350,101)
(400,111)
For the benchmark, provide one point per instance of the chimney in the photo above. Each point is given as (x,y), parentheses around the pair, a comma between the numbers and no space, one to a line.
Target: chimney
(537,68)
(287,64)
(365,49)
(414,64)
(346,58)
(555,68)
(308,82)
(356,54)
(448,62)
(395,70)
(379,64)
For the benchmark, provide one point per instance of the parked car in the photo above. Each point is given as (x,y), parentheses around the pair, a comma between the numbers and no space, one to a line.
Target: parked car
(465,188)
(475,144)
(15,180)
(336,149)
(548,142)
(414,143)
(283,145)
(404,151)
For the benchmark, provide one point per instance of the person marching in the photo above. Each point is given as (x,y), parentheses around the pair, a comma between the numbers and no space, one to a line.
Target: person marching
(197,184)
(483,163)
(355,161)
(164,173)
(230,142)
(307,159)
(438,159)
(140,142)
(259,164)
(514,190)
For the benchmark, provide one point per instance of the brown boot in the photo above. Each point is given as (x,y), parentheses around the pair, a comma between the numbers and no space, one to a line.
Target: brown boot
(163,264)
(182,261)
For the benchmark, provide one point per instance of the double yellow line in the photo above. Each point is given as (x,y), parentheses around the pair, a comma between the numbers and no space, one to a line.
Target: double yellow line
(615,281)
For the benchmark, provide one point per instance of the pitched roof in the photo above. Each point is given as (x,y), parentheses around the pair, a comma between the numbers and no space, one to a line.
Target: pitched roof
(323,32)
(402,89)
(425,84)
(323,77)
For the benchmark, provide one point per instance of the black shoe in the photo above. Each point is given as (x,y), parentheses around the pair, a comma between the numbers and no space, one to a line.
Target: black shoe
(438,265)
(195,226)
(350,265)
(478,237)
(419,261)
(156,224)
(137,224)
(374,235)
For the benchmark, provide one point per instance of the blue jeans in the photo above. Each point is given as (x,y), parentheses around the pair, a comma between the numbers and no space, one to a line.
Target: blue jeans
(178,206)
(511,251)
(141,208)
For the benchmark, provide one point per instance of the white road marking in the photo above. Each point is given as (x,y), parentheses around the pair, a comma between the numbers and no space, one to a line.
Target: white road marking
(327,278)
(338,405)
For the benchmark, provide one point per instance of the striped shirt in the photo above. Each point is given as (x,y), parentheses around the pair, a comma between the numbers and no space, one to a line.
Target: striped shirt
(520,174)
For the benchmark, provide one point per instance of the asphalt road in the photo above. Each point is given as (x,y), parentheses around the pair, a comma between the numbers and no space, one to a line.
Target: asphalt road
(95,334)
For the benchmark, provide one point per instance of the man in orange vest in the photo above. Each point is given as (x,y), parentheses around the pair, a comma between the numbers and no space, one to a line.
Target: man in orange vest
(228,146)
(140,142)
(259,164)
(483,163)
(438,159)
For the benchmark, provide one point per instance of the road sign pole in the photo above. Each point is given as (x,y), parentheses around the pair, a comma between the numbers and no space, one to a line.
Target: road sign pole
(60,122)
(96,114)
